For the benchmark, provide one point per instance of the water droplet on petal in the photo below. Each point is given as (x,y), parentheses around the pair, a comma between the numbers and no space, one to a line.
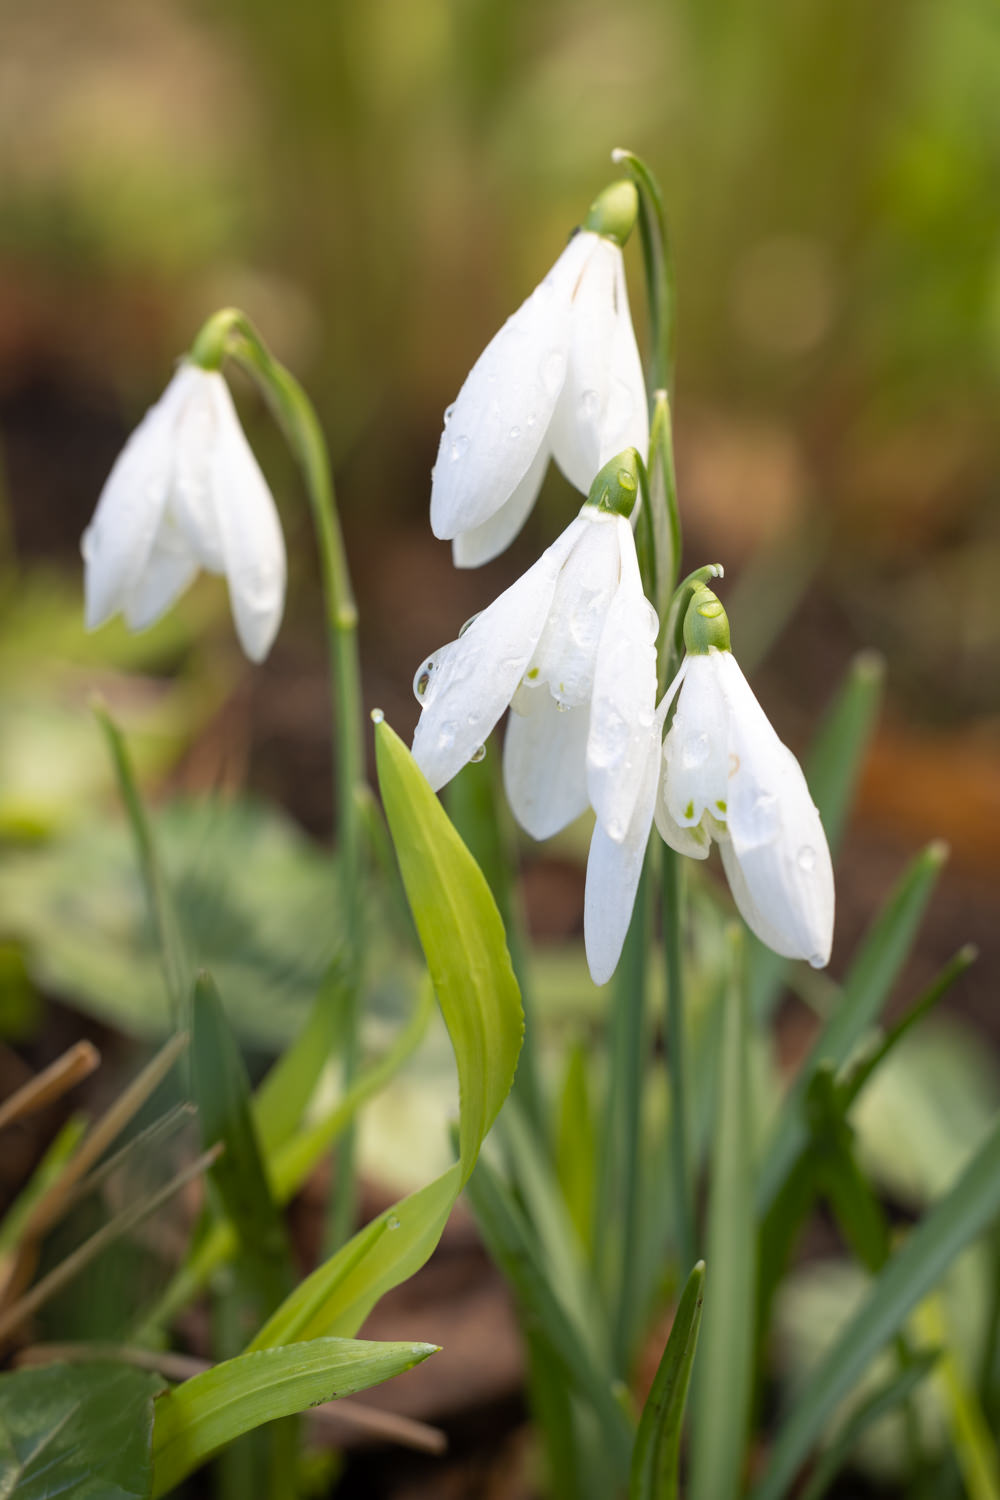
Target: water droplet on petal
(477,755)
(422,679)
(590,406)
(392,1222)
(514,434)
(458,447)
(616,830)
(449,413)
(470,621)
(806,859)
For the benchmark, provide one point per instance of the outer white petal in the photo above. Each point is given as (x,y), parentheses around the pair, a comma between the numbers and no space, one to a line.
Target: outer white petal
(544,762)
(747,907)
(696,750)
(625,420)
(502,414)
(168,572)
(624,697)
(253,548)
(117,544)
(476,676)
(579,414)
(486,541)
(694,841)
(199,429)
(613,870)
(775,829)
(567,650)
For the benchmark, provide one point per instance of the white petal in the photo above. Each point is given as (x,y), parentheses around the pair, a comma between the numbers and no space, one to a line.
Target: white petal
(602,407)
(776,833)
(471,548)
(253,548)
(198,430)
(117,544)
(474,678)
(696,749)
(501,416)
(747,907)
(613,871)
(544,762)
(165,577)
(624,697)
(567,649)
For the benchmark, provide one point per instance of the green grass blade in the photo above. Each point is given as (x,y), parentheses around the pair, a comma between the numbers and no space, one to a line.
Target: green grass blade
(463,940)
(872,975)
(196,1419)
(576,1145)
(511,1244)
(47,1172)
(962,1214)
(723,1379)
(893,1393)
(225,1112)
(656,1455)
(176,964)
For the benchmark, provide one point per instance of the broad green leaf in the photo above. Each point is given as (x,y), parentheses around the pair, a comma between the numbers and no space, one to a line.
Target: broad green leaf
(256,900)
(723,1379)
(225,1111)
(894,1392)
(463,941)
(832,767)
(196,1419)
(871,977)
(512,1244)
(956,1220)
(80,1430)
(656,1455)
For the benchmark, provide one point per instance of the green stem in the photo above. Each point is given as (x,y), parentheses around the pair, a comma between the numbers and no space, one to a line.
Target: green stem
(231,333)
(630,984)
(681,1177)
(657,262)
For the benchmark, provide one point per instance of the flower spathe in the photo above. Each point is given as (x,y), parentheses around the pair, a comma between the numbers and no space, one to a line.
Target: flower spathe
(186,493)
(726,775)
(562,379)
(571,648)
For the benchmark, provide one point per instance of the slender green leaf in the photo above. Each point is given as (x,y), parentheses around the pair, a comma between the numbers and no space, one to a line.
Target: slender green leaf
(871,977)
(225,1110)
(576,1145)
(724,1376)
(832,767)
(80,1430)
(512,1245)
(894,1392)
(176,965)
(283,1096)
(467,958)
(656,1455)
(196,1419)
(45,1174)
(956,1220)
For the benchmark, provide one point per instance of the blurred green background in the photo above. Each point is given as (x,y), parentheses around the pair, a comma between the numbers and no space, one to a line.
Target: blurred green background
(379,185)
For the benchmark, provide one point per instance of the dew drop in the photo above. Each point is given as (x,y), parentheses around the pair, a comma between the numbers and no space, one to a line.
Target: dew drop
(590,405)
(392,1222)
(449,413)
(377,716)
(458,448)
(806,858)
(514,434)
(470,621)
(477,755)
(422,679)
(616,830)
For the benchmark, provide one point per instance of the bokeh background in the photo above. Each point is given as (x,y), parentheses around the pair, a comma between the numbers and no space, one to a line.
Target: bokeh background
(378,185)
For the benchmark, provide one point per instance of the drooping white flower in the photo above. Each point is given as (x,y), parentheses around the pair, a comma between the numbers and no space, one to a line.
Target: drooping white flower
(571,647)
(726,775)
(186,493)
(562,379)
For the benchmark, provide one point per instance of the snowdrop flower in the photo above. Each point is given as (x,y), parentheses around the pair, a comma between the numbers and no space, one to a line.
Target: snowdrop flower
(726,775)
(571,647)
(561,379)
(186,493)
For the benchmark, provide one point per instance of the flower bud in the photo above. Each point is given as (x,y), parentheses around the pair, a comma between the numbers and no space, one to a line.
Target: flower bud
(613,212)
(706,624)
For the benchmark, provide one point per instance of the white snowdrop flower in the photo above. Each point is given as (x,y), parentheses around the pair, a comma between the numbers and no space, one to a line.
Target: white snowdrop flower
(726,775)
(562,379)
(186,493)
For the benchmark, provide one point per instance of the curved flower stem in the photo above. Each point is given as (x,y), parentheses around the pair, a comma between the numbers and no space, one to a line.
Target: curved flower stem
(230,333)
(658,264)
